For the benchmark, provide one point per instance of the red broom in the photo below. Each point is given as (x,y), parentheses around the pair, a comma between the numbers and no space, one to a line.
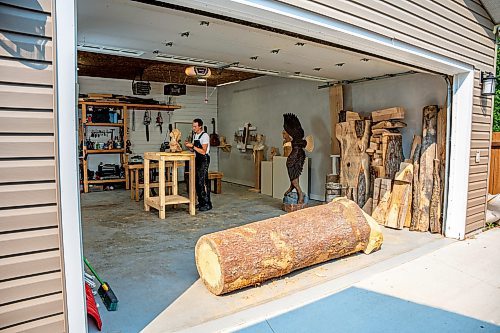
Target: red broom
(92,307)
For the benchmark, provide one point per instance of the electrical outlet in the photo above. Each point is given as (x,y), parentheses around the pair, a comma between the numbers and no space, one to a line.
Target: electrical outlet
(478,156)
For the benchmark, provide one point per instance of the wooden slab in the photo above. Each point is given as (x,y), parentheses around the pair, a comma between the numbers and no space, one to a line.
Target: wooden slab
(388,114)
(392,153)
(388,124)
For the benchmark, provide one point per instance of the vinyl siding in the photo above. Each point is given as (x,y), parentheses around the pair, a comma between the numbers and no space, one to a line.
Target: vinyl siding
(458,29)
(31,278)
(478,172)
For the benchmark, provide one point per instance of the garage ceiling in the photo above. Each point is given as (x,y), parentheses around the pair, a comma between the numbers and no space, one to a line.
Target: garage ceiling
(127,28)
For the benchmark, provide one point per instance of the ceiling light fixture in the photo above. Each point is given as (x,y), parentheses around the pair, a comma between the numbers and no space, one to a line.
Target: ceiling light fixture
(254,58)
(340,64)
(109,50)
(205,23)
(170,44)
(227,83)
(275,51)
(364,59)
(200,79)
(300,44)
(317,69)
(185,34)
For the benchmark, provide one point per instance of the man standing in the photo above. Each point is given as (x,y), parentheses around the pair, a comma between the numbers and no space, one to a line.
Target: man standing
(201,147)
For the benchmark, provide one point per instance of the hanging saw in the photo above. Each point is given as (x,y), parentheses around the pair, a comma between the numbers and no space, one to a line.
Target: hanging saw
(133,120)
(147,121)
(159,121)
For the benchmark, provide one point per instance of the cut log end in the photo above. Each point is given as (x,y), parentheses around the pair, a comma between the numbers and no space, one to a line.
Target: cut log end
(209,267)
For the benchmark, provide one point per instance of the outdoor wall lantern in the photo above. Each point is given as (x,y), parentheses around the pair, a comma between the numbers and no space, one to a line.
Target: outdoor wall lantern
(489,82)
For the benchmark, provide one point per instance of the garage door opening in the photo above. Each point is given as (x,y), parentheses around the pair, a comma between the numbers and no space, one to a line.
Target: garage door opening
(257,76)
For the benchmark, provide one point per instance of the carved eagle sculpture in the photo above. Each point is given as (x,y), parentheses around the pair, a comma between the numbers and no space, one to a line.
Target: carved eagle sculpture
(294,133)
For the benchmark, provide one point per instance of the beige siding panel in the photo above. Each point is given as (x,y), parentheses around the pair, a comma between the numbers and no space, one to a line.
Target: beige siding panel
(25,71)
(475,210)
(475,7)
(482,102)
(476,177)
(25,47)
(481,127)
(479,169)
(481,110)
(403,31)
(483,152)
(25,21)
(30,264)
(476,193)
(476,202)
(30,287)
(29,241)
(417,18)
(474,225)
(480,185)
(28,218)
(462,10)
(480,118)
(25,170)
(481,136)
(39,5)
(29,194)
(31,309)
(380,23)
(26,146)
(26,122)
(461,17)
(480,144)
(26,97)
(52,324)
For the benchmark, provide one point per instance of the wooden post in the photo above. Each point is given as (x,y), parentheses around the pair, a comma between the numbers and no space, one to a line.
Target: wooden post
(192,194)
(161,184)
(416,189)
(259,156)
(336,105)
(146,183)
(175,188)
(428,154)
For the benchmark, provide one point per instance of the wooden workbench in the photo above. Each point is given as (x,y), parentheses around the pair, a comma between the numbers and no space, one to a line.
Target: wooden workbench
(136,185)
(162,200)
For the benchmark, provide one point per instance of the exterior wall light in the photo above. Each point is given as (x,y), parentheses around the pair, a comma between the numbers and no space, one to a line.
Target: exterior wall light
(488,81)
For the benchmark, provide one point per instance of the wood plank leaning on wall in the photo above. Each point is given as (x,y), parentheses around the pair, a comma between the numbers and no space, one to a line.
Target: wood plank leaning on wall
(336,105)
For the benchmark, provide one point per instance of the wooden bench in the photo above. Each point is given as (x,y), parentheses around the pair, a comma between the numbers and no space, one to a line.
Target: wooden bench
(217,178)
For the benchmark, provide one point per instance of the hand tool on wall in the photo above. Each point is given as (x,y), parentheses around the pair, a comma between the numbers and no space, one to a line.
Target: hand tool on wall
(159,121)
(147,121)
(107,295)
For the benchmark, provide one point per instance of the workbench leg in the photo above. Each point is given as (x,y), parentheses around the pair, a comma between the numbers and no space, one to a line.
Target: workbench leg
(146,184)
(161,184)
(218,188)
(192,195)
(131,185)
(136,177)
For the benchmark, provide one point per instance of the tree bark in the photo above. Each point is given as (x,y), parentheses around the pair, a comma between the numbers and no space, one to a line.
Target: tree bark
(248,255)
(427,156)
(435,209)
(416,189)
(392,153)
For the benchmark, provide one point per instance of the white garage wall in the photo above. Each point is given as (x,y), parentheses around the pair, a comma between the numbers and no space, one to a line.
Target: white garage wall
(193,106)
(262,102)
(412,92)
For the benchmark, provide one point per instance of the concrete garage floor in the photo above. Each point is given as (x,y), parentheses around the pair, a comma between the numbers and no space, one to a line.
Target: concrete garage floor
(150,265)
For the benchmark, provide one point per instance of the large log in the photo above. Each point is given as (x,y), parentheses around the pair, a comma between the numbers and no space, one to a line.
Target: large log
(248,255)
(392,153)
(415,216)
(354,137)
(435,209)
(427,156)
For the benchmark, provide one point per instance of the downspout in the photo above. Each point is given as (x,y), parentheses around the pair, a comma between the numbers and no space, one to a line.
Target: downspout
(449,97)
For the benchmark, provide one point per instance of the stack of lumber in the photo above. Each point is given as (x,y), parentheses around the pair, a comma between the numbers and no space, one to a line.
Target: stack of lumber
(386,142)
(112,98)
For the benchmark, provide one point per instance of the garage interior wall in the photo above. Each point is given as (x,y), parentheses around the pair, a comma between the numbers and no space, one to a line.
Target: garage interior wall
(31,276)
(412,92)
(262,102)
(193,106)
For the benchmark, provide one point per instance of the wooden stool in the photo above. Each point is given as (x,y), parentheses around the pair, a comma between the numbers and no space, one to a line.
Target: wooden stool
(217,178)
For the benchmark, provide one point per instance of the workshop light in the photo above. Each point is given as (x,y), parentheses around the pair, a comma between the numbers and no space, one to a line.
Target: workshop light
(198,71)
(488,81)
